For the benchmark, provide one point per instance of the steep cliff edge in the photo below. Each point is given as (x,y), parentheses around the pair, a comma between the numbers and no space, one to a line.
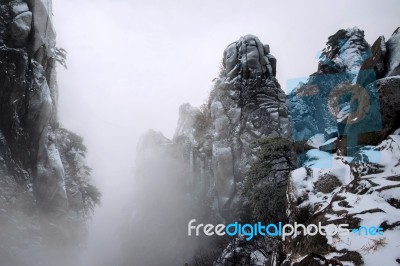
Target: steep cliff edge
(343,120)
(209,155)
(45,190)
(245,104)
(351,177)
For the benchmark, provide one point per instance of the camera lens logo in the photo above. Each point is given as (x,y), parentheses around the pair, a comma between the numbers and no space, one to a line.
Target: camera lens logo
(342,105)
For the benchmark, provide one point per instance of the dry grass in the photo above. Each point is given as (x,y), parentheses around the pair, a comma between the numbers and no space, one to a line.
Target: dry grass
(373,245)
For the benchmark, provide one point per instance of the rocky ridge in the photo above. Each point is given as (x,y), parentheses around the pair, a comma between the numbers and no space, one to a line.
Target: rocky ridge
(352,175)
(45,193)
(212,145)
(245,104)
(343,121)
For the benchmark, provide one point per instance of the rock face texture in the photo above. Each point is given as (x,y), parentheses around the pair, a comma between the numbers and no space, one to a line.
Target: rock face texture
(211,149)
(362,192)
(246,104)
(350,68)
(44,178)
(339,63)
(362,188)
(249,58)
(344,117)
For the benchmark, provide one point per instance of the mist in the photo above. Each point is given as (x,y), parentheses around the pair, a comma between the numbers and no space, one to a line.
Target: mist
(131,64)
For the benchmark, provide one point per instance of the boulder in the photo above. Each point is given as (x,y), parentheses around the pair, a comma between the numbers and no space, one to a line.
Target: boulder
(20,28)
(389,100)
(249,58)
(330,146)
(18,8)
(327,183)
(345,51)
(331,132)
(382,120)
(375,62)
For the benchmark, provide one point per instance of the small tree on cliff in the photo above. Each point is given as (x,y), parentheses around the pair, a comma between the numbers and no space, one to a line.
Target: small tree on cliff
(264,189)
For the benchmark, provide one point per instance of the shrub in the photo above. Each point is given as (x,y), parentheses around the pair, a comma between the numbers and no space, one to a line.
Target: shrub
(265,185)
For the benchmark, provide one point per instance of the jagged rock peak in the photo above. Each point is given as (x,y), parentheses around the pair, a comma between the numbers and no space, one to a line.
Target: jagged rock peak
(245,104)
(346,50)
(249,58)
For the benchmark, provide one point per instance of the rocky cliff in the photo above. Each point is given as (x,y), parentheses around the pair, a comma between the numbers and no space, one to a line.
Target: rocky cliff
(245,104)
(211,150)
(352,175)
(343,122)
(45,194)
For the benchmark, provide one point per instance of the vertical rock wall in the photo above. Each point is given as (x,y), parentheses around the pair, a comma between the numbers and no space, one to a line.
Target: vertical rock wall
(40,177)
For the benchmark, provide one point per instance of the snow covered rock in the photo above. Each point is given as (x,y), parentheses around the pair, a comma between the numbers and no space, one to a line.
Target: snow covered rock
(248,58)
(212,146)
(349,92)
(389,97)
(346,50)
(339,63)
(211,149)
(44,198)
(362,191)
(359,190)
(245,104)
(18,8)
(393,47)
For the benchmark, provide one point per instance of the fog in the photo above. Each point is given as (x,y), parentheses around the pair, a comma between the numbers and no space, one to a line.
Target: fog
(131,64)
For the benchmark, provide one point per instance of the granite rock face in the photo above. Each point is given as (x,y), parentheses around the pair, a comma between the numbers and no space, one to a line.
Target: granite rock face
(211,149)
(346,95)
(381,103)
(339,63)
(38,183)
(246,104)
(354,91)
(346,50)
(249,58)
(377,59)
(351,176)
